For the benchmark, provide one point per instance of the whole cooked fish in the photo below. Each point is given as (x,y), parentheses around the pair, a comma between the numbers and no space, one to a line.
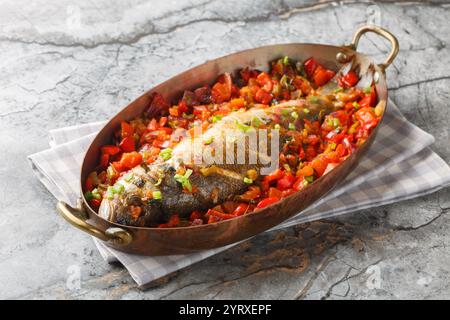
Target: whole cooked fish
(185,183)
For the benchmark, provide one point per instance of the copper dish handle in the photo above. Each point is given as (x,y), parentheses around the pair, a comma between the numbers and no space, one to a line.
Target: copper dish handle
(381,32)
(76,217)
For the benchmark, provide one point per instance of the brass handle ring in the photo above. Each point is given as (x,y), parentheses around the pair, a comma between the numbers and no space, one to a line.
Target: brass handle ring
(381,32)
(76,217)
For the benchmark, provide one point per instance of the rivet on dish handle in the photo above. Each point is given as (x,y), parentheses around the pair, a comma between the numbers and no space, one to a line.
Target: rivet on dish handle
(77,218)
(381,32)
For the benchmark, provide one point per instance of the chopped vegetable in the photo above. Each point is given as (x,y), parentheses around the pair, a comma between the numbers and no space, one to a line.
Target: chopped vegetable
(166,154)
(157,195)
(184,180)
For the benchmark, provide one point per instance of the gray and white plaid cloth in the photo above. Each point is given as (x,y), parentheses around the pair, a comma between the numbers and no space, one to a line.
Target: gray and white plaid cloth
(398,166)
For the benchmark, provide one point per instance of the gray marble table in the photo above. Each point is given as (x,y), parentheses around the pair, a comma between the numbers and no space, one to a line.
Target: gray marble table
(64,63)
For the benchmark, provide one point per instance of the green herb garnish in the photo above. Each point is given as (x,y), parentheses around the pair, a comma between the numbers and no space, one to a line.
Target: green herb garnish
(208,141)
(216,118)
(157,195)
(243,127)
(166,154)
(248,180)
(184,180)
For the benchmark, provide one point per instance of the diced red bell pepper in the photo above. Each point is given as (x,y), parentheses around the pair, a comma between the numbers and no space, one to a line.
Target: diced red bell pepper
(117,165)
(110,149)
(322,76)
(220,215)
(277,174)
(349,80)
(131,160)
(319,165)
(95,203)
(240,209)
(286,182)
(264,82)
(266,202)
(368,100)
(310,66)
(104,160)
(367,118)
(195,215)
(221,91)
(126,129)
(127,144)
(298,185)
(263,96)
(274,193)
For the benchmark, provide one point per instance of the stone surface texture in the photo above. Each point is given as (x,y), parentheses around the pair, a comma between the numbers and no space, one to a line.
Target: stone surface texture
(70,62)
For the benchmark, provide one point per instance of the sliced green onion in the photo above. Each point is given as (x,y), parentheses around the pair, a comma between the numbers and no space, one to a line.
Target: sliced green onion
(248,180)
(158,182)
(96,194)
(286,112)
(306,110)
(243,127)
(340,89)
(157,195)
(356,104)
(287,167)
(285,60)
(314,99)
(256,122)
(309,179)
(294,115)
(367,90)
(208,141)
(291,126)
(128,177)
(184,180)
(118,188)
(216,118)
(110,193)
(166,154)
(277,127)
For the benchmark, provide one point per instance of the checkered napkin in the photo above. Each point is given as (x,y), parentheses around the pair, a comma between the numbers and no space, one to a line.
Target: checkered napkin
(398,166)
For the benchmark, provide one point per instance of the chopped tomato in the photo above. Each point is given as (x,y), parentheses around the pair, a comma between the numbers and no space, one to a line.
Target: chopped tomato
(274,193)
(368,100)
(95,203)
(263,96)
(310,66)
(240,209)
(110,149)
(266,202)
(104,160)
(322,76)
(277,174)
(264,82)
(367,118)
(221,91)
(349,80)
(127,144)
(286,182)
(307,171)
(319,165)
(131,160)
(220,215)
(126,129)
(195,215)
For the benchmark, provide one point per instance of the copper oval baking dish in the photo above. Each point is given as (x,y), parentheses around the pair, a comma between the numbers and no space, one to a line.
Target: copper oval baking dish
(154,241)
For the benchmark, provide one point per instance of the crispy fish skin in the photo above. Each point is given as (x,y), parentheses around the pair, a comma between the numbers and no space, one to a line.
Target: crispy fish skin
(210,189)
